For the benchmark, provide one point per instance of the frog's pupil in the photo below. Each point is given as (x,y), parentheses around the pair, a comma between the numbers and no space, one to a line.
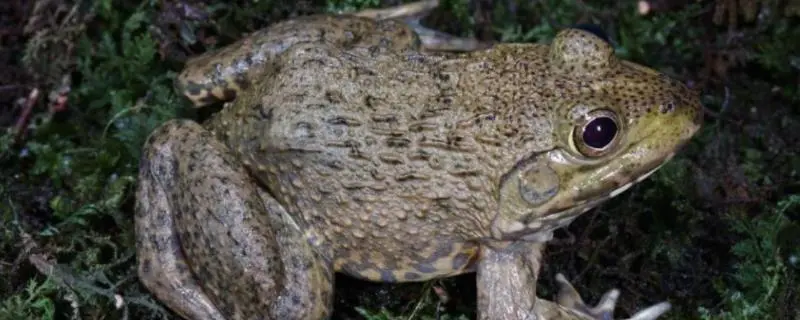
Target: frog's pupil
(599,132)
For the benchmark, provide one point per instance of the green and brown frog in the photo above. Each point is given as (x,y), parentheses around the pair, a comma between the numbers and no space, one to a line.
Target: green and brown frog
(349,144)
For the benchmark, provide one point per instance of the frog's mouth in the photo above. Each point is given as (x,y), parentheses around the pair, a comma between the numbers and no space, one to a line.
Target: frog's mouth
(538,222)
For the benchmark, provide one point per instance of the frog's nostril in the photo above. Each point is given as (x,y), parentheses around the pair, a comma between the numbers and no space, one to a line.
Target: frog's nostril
(667,107)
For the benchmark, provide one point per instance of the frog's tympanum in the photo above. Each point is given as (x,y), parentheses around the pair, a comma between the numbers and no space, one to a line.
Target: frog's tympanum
(347,145)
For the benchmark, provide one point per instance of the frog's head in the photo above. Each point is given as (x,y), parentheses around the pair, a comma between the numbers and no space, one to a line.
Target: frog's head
(613,124)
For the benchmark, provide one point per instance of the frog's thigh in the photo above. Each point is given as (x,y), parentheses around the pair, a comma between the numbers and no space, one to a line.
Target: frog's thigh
(211,245)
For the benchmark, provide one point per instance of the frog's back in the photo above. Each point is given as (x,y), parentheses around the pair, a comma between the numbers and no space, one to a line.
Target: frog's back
(393,162)
(364,147)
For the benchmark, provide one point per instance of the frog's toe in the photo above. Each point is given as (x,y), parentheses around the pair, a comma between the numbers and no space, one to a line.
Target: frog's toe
(604,310)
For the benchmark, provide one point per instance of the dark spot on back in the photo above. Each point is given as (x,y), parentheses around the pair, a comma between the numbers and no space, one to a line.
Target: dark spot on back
(397,142)
(242,82)
(229,94)
(412,276)
(193,88)
(460,261)
(265,114)
(387,276)
(208,99)
(425,268)
(146,265)
(334,96)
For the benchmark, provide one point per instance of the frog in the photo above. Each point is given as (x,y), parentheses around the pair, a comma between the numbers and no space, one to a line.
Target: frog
(367,145)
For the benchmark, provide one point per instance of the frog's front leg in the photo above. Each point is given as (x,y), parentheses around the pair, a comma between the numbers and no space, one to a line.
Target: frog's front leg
(507,275)
(211,244)
(506,280)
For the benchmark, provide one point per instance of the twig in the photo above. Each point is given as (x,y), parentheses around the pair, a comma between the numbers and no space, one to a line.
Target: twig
(24,118)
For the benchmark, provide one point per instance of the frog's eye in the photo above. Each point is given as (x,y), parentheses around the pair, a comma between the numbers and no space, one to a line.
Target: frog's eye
(597,133)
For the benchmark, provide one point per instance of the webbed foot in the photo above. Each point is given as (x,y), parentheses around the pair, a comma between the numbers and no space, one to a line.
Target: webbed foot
(568,297)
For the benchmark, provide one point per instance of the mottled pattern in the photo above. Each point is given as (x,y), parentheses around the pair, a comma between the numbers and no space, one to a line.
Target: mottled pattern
(219,76)
(214,244)
(348,148)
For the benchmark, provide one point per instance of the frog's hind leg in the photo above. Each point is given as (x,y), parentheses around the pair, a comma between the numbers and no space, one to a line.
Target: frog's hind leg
(211,244)
(432,40)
